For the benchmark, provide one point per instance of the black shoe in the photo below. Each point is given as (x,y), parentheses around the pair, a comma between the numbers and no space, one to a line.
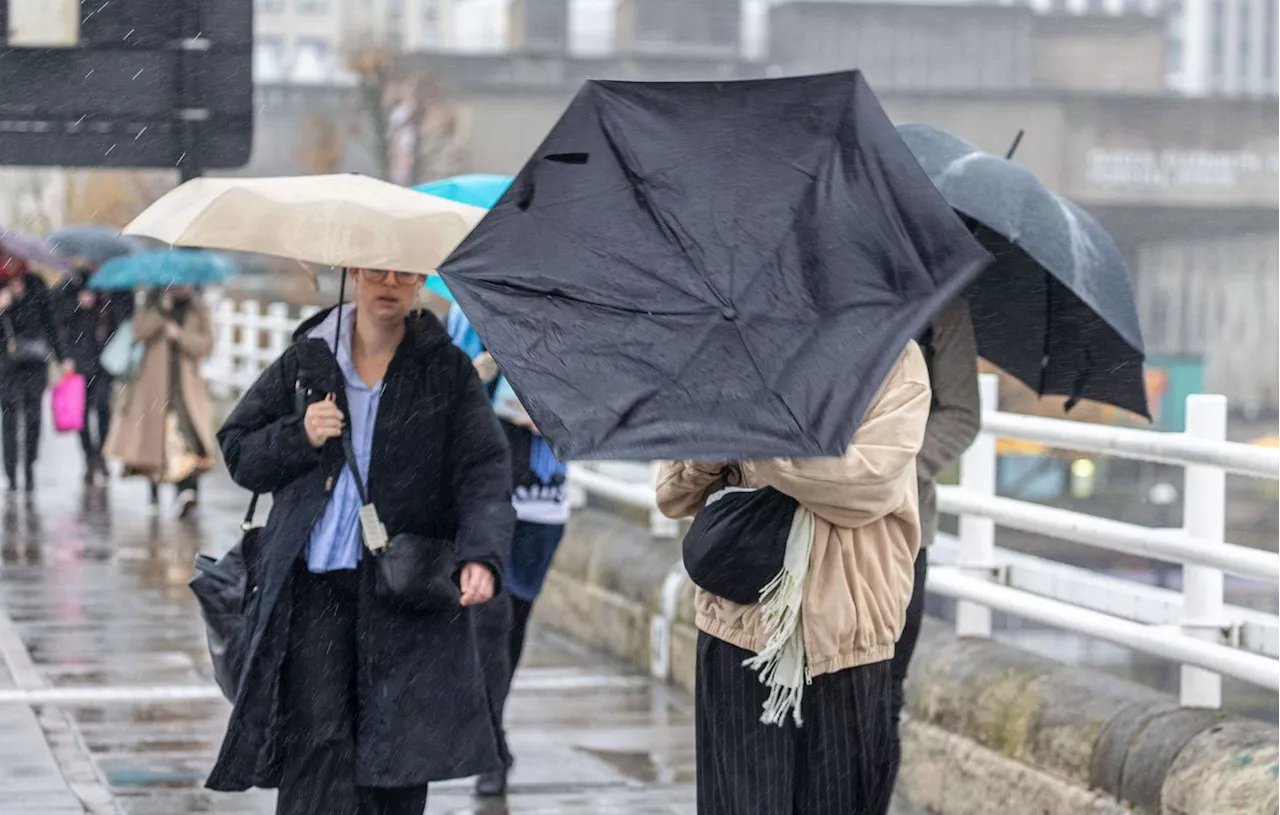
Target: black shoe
(186,503)
(492,785)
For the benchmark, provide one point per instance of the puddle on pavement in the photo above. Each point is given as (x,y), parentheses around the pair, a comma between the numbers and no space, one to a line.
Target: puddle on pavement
(647,768)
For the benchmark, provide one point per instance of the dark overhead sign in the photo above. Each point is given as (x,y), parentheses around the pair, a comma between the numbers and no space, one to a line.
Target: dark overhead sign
(148,83)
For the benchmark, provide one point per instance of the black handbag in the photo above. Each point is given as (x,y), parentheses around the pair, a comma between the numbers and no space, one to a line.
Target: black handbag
(413,571)
(227,591)
(25,350)
(737,543)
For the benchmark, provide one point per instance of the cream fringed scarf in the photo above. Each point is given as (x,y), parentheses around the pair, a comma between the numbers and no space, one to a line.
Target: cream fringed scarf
(781,664)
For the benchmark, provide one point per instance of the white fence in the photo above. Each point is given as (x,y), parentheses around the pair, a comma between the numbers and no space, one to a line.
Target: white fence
(247,338)
(1193,627)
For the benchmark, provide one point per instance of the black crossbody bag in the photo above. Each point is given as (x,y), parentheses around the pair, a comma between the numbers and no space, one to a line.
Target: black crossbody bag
(413,571)
(737,543)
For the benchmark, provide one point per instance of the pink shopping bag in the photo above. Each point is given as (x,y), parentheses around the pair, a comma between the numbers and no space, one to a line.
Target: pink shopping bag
(68,404)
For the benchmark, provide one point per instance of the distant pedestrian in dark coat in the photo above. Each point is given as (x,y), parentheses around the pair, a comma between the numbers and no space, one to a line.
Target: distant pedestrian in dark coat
(29,342)
(87,320)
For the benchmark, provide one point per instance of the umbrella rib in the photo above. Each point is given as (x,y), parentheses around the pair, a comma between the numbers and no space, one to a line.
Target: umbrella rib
(799,425)
(638,183)
(509,287)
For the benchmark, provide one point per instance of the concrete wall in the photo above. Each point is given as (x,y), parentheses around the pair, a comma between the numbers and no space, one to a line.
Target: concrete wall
(1214,298)
(906,46)
(1100,53)
(991,730)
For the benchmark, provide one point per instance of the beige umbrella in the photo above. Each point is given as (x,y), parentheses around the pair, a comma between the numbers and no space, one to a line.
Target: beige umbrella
(350,221)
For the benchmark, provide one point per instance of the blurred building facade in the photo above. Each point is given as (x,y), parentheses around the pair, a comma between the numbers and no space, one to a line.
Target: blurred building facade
(309,41)
(1211,47)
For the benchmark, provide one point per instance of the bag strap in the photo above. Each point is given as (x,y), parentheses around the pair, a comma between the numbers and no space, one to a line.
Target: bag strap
(349,453)
(247,523)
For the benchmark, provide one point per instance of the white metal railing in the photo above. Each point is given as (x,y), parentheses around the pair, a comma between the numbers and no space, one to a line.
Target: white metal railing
(247,339)
(1193,626)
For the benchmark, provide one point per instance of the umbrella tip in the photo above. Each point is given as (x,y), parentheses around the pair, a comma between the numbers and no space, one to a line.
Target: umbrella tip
(1017,140)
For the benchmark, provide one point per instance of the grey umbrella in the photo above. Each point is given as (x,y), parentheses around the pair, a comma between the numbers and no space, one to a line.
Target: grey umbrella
(95,243)
(1056,308)
(30,250)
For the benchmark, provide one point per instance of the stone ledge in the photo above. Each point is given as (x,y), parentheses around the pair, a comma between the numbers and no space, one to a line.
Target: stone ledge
(991,729)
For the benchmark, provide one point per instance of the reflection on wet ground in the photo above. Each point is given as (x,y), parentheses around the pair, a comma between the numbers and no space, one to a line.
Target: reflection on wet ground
(93,595)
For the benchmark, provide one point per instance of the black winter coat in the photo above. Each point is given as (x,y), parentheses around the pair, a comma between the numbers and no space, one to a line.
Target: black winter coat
(86,331)
(30,317)
(439,467)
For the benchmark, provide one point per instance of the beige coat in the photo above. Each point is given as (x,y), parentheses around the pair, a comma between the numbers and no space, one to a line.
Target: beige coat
(866,530)
(137,434)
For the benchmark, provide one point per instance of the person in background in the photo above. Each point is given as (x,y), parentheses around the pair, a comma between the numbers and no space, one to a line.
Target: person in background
(30,341)
(822,745)
(351,703)
(164,428)
(541,501)
(88,319)
(951,355)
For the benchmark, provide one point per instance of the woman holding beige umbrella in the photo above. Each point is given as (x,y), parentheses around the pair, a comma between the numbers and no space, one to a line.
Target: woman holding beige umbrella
(359,681)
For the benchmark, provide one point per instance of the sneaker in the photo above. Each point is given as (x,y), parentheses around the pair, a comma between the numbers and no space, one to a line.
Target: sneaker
(186,503)
(492,785)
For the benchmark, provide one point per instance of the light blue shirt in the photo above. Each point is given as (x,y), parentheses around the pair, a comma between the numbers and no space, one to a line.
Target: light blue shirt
(336,541)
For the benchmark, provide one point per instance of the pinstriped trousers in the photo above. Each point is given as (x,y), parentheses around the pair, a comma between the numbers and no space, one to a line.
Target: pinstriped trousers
(838,763)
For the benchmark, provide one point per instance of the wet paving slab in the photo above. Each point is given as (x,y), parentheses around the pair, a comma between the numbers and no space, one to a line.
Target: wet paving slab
(107,703)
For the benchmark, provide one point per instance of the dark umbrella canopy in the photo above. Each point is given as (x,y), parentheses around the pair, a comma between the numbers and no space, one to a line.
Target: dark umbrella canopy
(1056,308)
(710,270)
(94,243)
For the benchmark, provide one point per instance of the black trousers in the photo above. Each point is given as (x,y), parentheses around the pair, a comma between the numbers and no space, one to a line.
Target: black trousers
(21,393)
(319,703)
(191,482)
(501,625)
(902,660)
(97,405)
(836,764)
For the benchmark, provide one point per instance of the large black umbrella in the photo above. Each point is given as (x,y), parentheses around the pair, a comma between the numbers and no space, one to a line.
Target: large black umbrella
(1056,308)
(711,270)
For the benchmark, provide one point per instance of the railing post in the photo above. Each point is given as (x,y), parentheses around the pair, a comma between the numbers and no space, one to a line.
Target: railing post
(1204,517)
(978,535)
(219,366)
(279,332)
(660,526)
(246,364)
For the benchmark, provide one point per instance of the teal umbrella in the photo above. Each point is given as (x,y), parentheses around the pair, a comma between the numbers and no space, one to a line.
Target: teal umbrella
(161,269)
(478,190)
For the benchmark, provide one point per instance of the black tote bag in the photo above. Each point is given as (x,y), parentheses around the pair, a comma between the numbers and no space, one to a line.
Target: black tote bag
(227,592)
(738,542)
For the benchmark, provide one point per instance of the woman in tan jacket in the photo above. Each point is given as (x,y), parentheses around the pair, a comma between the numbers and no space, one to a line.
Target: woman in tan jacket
(829,752)
(164,428)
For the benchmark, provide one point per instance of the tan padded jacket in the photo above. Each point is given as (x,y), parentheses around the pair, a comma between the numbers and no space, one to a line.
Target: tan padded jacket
(866,530)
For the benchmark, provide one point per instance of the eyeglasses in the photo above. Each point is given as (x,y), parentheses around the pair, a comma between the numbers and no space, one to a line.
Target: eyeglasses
(403,278)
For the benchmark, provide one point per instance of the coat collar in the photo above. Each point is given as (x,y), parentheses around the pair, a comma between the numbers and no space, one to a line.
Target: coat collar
(423,330)
(424,337)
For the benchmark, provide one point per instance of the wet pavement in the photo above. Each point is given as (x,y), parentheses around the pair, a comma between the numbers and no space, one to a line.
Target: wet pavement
(107,703)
